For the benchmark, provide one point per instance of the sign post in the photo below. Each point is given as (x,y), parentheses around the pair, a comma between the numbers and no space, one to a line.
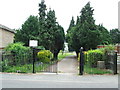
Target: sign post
(33,44)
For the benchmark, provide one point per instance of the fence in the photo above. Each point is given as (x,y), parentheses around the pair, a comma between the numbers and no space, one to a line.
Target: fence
(16,62)
(26,63)
(108,66)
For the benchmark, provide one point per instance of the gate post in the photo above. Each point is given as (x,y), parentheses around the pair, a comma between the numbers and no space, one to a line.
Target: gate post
(115,63)
(81,62)
(33,60)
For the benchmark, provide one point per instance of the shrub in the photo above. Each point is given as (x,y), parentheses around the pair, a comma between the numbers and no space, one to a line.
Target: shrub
(40,47)
(106,50)
(93,56)
(20,53)
(44,56)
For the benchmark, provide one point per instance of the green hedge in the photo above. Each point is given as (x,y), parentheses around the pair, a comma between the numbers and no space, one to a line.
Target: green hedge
(92,56)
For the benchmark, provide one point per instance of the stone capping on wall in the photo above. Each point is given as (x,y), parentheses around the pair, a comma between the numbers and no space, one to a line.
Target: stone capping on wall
(6,28)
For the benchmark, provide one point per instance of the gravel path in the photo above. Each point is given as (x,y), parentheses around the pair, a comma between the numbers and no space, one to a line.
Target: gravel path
(68,65)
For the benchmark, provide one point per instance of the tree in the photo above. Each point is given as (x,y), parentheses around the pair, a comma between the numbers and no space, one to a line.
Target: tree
(115,35)
(105,37)
(28,31)
(72,24)
(85,33)
(68,36)
(88,34)
(42,22)
(55,34)
(51,33)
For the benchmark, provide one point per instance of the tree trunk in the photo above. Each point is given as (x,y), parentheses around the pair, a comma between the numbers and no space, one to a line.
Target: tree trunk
(55,56)
(77,53)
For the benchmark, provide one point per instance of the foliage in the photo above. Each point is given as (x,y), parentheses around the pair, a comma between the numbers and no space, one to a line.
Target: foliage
(51,33)
(40,47)
(84,33)
(29,31)
(115,35)
(107,49)
(44,56)
(93,56)
(19,53)
(88,34)
(69,34)
(19,69)
(46,30)
(72,24)
(105,37)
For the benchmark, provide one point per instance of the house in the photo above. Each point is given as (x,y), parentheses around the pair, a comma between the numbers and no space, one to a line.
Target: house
(6,36)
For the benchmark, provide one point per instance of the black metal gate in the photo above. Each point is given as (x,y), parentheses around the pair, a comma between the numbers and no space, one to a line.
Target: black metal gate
(50,67)
(38,66)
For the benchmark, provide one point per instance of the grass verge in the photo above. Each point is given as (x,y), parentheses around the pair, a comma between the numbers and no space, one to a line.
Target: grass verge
(89,70)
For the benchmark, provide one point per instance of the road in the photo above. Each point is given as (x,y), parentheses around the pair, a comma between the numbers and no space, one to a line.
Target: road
(58,81)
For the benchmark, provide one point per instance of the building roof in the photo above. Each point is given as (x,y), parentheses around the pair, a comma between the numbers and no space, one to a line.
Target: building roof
(6,28)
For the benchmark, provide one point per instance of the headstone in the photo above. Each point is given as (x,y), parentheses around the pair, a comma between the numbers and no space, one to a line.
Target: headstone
(101,64)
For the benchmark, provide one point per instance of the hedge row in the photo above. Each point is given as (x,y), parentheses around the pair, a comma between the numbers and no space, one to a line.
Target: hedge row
(92,56)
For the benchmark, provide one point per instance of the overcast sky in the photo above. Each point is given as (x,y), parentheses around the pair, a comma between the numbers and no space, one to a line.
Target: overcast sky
(13,13)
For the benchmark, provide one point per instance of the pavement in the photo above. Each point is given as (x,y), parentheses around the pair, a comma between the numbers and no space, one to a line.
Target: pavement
(66,78)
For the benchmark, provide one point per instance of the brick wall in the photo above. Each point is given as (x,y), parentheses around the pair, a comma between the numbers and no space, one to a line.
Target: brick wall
(6,37)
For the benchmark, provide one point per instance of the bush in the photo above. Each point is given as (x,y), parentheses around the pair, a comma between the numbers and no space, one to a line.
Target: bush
(44,56)
(107,50)
(19,53)
(93,56)
(40,47)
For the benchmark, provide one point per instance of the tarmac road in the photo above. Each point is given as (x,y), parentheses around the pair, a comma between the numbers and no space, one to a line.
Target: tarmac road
(58,81)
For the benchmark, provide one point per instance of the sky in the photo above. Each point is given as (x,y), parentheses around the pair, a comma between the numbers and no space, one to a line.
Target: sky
(13,13)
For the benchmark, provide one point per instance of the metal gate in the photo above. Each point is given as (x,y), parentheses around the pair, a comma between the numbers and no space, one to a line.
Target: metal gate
(50,67)
(38,66)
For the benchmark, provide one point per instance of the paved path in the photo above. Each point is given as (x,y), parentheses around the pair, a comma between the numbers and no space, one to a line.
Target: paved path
(68,65)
